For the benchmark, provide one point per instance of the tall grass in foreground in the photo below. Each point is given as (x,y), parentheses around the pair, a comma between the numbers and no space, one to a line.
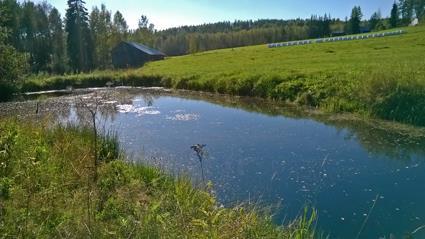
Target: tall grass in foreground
(47,190)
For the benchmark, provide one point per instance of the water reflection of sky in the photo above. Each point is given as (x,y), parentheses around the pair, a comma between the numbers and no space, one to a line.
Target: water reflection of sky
(278,160)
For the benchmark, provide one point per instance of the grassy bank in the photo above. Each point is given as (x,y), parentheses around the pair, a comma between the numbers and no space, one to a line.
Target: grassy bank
(50,188)
(381,77)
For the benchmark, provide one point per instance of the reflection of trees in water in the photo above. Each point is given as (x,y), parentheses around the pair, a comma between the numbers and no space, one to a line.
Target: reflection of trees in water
(55,109)
(149,99)
(392,140)
(61,109)
(377,137)
(105,103)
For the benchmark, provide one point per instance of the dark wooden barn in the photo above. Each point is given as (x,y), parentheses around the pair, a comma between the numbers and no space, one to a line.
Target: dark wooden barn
(130,54)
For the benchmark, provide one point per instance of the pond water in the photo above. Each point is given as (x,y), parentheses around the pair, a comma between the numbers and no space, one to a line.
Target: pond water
(354,172)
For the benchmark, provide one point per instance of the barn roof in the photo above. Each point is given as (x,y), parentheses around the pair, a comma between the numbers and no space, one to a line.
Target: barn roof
(145,49)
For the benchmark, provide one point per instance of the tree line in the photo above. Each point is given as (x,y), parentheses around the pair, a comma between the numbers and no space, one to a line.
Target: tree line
(80,41)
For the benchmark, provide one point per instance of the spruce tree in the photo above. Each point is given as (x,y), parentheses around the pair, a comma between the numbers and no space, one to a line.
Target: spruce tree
(79,41)
(395,16)
(374,21)
(355,20)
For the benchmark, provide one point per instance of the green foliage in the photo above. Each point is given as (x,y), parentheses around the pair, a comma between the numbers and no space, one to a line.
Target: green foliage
(37,31)
(109,148)
(36,40)
(12,66)
(144,33)
(48,190)
(101,31)
(395,16)
(406,10)
(410,9)
(375,21)
(58,62)
(398,95)
(355,20)
(80,46)
(419,7)
(193,39)
(305,226)
(119,24)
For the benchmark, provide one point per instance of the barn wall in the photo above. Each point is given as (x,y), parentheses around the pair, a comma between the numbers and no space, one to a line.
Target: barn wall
(125,56)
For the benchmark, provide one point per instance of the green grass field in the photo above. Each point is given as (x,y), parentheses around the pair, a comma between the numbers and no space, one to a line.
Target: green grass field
(381,77)
(325,58)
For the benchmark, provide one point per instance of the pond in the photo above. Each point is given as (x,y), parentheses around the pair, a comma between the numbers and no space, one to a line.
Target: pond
(362,176)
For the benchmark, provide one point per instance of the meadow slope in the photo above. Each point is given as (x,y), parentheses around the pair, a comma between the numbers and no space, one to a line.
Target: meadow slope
(380,77)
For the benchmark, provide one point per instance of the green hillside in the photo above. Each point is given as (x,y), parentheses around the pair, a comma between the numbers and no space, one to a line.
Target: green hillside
(379,77)
(325,58)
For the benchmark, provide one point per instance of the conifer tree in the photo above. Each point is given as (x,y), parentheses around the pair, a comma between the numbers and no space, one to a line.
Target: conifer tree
(395,16)
(58,58)
(355,20)
(79,41)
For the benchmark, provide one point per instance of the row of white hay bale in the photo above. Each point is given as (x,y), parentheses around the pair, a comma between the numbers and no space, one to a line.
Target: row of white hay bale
(335,39)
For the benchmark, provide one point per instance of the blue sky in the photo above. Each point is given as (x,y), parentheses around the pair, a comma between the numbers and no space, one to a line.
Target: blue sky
(171,13)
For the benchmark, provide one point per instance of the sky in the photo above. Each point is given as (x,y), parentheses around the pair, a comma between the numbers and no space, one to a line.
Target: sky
(172,13)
